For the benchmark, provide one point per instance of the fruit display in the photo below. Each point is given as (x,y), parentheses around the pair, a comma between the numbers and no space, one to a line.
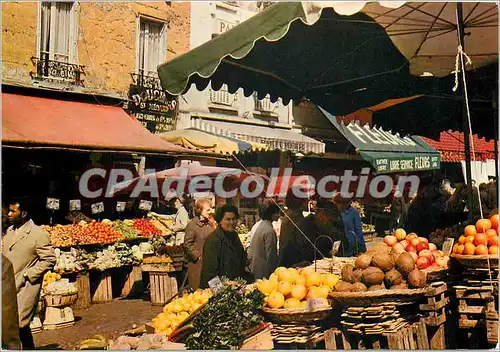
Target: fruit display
(60,235)
(425,253)
(331,265)
(381,268)
(479,239)
(179,310)
(73,260)
(127,232)
(164,230)
(225,321)
(145,228)
(49,278)
(439,235)
(145,342)
(60,287)
(291,288)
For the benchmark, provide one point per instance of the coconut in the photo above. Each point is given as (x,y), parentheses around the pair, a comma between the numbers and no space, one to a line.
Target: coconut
(363,261)
(384,261)
(343,286)
(379,248)
(358,287)
(372,276)
(346,273)
(392,278)
(405,263)
(376,288)
(357,275)
(417,279)
(402,286)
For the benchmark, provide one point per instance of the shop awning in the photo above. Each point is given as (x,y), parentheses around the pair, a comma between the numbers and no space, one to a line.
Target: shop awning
(451,147)
(274,138)
(388,152)
(193,138)
(34,122)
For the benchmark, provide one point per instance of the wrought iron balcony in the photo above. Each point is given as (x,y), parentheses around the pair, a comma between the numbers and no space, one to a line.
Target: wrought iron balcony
(46,69)
(264,105)
(142,80)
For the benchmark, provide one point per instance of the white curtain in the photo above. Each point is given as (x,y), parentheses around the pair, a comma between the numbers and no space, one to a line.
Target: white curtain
(55,30)
(150,47)
(479,171)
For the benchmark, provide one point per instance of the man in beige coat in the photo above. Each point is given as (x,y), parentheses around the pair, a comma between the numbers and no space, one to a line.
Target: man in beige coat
(29,249)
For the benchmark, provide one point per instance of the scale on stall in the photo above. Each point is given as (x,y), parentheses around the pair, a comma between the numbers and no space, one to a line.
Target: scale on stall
(58,313)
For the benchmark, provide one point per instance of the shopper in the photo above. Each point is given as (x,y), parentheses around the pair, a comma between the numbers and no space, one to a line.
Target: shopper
(10,316)
(197,232)
(181,217)
(28,247)
(352,226)
(223,253)
(263,250)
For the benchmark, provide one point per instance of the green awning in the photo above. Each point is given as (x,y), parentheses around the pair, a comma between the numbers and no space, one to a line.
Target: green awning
(385,151)
(291,51)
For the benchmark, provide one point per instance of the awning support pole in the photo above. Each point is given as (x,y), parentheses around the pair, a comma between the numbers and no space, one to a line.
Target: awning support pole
(465,123)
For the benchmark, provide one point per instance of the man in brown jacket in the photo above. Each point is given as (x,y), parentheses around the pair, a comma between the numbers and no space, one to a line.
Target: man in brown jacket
(28,247)
(10,319)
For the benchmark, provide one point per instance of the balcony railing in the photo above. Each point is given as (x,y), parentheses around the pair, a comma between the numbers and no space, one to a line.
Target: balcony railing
(222,97)
(264,105)
(57,71)
(145,81)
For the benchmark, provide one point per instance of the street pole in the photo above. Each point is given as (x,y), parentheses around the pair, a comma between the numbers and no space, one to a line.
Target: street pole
(465,122)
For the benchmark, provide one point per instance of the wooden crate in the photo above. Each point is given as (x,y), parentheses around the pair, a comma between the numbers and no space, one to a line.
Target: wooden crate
(435,316)
(101,288)
(82,280)
(133,285)
(408,338)
(162,288)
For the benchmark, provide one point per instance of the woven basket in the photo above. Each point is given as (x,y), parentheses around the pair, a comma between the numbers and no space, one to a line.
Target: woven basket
(60,300)
(299,315)
(397,297)
(477,261)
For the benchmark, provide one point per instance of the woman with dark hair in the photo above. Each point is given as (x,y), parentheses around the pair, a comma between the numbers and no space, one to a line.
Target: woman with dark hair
(223,253)
(263,250)
(197,232)
(181,217)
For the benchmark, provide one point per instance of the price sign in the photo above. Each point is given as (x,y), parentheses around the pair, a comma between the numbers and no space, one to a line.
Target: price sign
(336,247)
(97,208)
(145,205)
(120,206)
(52,204)
(315,304)
(215,285)
(75,204)
(448,245)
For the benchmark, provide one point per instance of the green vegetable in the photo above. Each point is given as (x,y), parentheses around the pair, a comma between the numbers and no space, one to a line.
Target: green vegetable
(222,323)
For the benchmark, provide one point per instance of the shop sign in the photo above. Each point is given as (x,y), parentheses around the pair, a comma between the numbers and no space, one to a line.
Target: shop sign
(223,26)
(314,304)
(151,105)
(52,204)
(448,246)
(97,208)
(215,285)
(408,163)
(120,206)
(145,205)
(75,205)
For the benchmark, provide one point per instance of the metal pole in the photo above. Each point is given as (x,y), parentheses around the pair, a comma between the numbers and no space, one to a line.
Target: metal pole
(465,123)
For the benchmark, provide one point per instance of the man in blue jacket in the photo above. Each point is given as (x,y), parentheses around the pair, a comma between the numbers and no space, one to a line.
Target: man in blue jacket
(352,226)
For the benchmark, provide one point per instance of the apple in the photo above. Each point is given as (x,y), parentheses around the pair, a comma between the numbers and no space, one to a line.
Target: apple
(390,240)
(446,259)
(409,248)
(423,263)
(414,255)
(423,239)
(400,234)
(398,248)
(412,235)
(415,242)
(421,246)
(426,254)
(434,266)
(436,254)
(432,246)
(441,262)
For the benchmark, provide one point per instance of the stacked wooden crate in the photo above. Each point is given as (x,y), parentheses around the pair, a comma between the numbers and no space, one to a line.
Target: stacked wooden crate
(434,311)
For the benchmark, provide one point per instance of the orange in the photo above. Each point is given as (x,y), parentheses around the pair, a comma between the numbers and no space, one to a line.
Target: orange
(482,225)
(481,250)
(494,221)
(330,280)
(461,240)
(285,288)
(480,238)
(469,249)
(300,280)
(470,239)
(458,248)
(267,286)
(292,303)
(313,279)
(285,275)
(493,250)
(491,232)
(492,241)
(275,300)
(298,292)
(307,270)
(470,230)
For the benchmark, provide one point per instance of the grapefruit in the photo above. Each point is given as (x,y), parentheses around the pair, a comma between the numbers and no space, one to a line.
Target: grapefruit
(292,303)
(482,225)
(298,292)
(313,279)
(469,249)
(275,300)
(493,250)
(285,288)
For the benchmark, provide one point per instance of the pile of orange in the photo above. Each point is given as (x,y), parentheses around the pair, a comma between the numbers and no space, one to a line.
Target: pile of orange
(291,288)
(479,239)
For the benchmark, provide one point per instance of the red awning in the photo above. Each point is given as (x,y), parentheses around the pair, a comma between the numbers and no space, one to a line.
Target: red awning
(451,147)
(40,122)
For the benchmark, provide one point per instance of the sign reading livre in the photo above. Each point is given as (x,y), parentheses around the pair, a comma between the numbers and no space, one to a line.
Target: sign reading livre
(151,105)
(406,163)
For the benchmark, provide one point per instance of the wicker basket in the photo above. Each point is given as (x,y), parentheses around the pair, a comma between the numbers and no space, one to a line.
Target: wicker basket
(397,297)
(299,315)
(60,300)
(477,261)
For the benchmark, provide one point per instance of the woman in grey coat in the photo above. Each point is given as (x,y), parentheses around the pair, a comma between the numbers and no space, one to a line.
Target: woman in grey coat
(263,250)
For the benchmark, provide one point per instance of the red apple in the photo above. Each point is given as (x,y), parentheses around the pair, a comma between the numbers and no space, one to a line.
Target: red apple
(432,246)
(421,246)
(409,248)
(398,248)
(415,242)
(436,254)
(434,266)
(400,234)
(414,255)
(441,262)
(426,254)
(390,240)
(412,235)
(423,239)
(423,263)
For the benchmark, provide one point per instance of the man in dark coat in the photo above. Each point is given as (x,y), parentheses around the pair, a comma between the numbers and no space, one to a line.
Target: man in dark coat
(223,252)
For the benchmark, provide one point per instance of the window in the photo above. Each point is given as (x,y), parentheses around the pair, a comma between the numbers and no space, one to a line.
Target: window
(222,96)
(264,105)
(58,32)
(151,48)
